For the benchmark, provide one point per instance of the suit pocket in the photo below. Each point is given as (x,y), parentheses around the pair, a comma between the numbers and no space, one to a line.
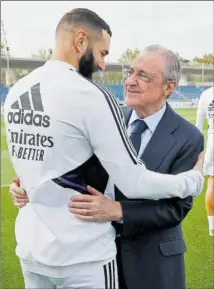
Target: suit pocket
(172,247)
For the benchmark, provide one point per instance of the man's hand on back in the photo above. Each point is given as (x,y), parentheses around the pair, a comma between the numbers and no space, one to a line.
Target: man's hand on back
(95,207)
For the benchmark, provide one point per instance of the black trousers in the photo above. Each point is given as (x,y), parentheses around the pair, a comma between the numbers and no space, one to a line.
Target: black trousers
(122,282)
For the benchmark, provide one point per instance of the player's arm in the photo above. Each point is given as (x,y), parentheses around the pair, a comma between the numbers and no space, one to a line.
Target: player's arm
(201,113)
(143,215)
(106,133)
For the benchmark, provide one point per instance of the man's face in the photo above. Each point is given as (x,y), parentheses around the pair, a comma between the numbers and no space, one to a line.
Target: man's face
(146,84)
(94,57)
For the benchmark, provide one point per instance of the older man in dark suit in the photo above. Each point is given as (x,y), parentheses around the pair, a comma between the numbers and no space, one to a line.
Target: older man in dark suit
(150,242)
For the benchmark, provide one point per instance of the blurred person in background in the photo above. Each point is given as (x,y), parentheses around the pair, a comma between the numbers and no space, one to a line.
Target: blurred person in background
(206,111)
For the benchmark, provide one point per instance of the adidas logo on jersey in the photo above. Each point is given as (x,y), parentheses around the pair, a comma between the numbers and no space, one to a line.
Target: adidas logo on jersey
(211,106)
(29,118)
(22,116)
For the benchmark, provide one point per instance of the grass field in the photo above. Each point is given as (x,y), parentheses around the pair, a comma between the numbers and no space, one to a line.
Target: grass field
(199,257)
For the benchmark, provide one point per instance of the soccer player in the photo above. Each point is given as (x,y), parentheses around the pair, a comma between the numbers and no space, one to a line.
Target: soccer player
(65,132)
(206,111)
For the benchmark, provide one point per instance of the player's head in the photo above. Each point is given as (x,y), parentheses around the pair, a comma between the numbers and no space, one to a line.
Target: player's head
(152,78)
(83,37)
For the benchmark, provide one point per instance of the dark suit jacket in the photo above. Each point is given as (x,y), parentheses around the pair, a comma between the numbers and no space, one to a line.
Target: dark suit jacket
(151,247)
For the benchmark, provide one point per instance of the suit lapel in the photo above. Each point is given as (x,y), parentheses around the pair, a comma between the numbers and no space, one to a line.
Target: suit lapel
(162,141)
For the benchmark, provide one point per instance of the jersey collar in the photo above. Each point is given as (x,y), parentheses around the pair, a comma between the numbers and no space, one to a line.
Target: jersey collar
(60,63)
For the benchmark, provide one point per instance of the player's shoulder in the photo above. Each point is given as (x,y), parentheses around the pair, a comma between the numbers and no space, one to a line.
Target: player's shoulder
(91,89)
(19,87)
(90,85)
(25,80)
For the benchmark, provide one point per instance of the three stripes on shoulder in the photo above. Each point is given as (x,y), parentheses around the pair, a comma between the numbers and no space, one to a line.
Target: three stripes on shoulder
(25,100)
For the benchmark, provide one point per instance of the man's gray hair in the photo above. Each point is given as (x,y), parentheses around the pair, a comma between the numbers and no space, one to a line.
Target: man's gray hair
(173,69)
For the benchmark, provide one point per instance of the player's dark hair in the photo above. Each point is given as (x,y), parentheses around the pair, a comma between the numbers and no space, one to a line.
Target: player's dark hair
(84,17)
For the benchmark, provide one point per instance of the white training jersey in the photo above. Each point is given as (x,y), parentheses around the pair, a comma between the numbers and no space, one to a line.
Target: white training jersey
(206,110)
(64,132)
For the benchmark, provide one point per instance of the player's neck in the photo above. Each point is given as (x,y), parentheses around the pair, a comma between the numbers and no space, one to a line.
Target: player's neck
(66,57)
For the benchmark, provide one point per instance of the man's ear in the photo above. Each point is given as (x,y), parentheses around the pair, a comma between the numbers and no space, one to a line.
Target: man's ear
(81,41)
(170,87)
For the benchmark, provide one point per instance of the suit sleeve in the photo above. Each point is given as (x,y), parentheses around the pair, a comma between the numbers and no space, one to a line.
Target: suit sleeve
(147,214)
(107,135)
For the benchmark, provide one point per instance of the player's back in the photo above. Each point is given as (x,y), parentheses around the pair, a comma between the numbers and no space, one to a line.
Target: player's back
(38,122)
(44,118)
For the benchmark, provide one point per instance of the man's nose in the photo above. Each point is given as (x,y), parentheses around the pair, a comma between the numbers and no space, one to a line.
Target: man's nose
(102,66)
(131,80)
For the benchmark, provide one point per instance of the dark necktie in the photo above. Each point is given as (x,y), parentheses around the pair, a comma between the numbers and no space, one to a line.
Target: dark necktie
(139,127)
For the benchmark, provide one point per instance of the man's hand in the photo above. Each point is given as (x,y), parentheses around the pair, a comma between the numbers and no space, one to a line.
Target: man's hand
(17,194)
(95,207)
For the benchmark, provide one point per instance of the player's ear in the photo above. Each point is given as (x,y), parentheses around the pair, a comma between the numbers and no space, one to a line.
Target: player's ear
(81,41)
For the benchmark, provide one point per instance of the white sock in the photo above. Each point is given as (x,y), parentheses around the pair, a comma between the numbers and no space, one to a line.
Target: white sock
(211,223)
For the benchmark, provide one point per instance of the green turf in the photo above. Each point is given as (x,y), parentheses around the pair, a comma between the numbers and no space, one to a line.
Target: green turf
(6,167)
(199,257)
(11,271)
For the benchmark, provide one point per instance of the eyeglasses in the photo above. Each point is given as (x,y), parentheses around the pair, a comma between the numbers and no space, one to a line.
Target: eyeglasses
(141,75)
